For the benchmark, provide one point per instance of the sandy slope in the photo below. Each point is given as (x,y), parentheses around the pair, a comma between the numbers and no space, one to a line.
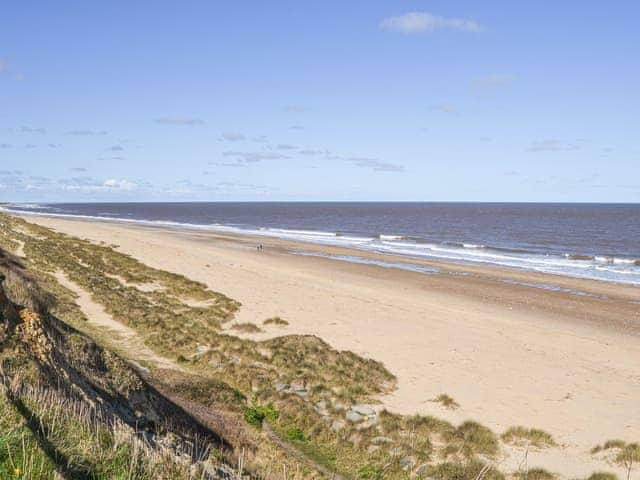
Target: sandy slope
(508,354)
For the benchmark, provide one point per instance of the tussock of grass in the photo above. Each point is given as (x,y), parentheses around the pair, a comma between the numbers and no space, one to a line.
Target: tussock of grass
(256,414)
(470,438)
(463,470)
(275,321)
(535,474)
(446,401)
(602,476)
(529,436)
(608,445)
(246,327)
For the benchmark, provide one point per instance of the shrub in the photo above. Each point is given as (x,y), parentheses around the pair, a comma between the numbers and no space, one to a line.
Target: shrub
(256,414)
(296,435)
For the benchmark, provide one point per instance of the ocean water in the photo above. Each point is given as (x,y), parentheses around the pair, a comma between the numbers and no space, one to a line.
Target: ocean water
(597,241)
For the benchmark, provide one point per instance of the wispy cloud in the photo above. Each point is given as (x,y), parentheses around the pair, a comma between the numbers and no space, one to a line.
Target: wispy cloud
(553,145)
(423,22)
(86,132)
(445,108)
(115,148)
(285,146)
(296,108)
(375,164)
(311,151)
(296,127)
(188,121)
(90,185)
(27,129)
(5,145)
(252,157)
(232,136)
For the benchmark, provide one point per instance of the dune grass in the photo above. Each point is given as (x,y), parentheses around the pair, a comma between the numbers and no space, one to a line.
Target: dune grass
(275,321)
(520,435)
(310,385)
(446,401)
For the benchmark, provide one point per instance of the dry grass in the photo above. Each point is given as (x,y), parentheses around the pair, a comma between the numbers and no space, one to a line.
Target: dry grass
(247,327)
(308,383)
(528,436)
(446,401)
(275,321)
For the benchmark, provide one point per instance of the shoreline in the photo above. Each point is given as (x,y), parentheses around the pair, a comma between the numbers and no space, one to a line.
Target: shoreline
(510,354)
(331,240)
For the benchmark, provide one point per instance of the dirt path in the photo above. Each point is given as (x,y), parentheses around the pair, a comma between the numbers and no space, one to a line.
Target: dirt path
(128,340)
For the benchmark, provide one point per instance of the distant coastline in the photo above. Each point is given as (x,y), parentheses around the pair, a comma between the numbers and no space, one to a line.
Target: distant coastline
(502,238)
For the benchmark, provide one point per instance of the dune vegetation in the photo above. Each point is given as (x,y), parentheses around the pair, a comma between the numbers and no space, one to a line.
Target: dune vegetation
(290,405)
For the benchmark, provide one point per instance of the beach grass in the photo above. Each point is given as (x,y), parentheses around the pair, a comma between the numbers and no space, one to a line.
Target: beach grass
(304,393)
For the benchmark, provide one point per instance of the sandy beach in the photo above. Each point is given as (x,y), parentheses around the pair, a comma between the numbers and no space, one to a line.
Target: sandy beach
(507,350)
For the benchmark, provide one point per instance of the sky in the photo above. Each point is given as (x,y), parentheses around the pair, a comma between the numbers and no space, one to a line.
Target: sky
(334,100)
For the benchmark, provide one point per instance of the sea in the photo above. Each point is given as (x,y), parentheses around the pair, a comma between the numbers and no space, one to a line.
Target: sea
(595,241)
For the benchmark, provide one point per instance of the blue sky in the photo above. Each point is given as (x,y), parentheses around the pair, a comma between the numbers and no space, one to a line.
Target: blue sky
(332,100)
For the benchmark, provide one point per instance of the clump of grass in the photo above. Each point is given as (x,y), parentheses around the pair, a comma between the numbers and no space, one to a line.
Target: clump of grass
(470,438)
(535,474)
(608,445)
(446,401)
(246,327)
(602,476)
(256,414)
(463,470)
(275,321)
(529,436)
(296,435)
(627,455)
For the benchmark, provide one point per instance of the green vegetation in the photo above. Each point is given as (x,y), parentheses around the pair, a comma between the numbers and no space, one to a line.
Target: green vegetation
(275,321)
(602,476)
(303,392)
(464,470)
(446,401)
(257,414)
(626,455)
(535,474)
(296,435)
(528,436)
(246,327)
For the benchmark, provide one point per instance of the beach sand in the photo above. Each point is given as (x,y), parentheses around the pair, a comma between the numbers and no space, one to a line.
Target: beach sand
(509,354)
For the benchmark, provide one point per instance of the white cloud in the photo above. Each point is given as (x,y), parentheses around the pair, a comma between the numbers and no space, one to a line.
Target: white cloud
(423,22)
(232,136)
(254,156)
(554,145)
(375,164)
(86,132)
(189,121)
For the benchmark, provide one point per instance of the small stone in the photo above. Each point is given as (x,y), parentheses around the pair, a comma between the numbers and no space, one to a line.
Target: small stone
(407,462)
(354,416)
(363,410)
(337,425)
(373,448)
(382,440)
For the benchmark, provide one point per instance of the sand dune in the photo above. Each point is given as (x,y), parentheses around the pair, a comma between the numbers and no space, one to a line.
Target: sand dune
(508,354)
